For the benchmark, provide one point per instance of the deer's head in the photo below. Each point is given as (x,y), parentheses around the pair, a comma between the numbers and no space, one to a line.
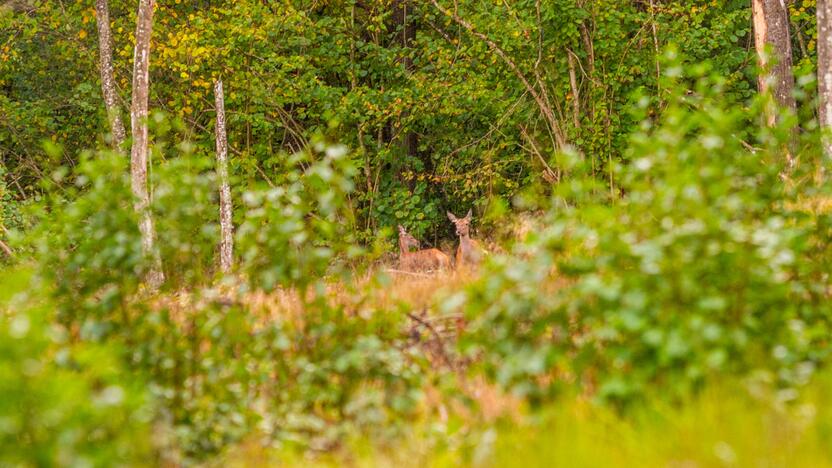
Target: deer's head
(462,224)
(406,241)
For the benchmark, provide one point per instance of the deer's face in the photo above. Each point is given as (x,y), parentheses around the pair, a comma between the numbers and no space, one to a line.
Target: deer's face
(407,241)
(462,225)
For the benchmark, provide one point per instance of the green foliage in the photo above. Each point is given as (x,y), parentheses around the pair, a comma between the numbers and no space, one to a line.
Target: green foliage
(677,247)
(64,403)
(290,234)
(11,216)
(89,245)
(706,265)
(185,207)
(215,371)
(220,374)
(440,117)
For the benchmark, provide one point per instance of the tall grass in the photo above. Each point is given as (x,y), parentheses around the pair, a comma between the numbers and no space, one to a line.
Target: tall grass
(729,424)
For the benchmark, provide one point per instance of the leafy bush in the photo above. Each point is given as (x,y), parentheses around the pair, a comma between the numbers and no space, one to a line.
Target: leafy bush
(89,245)
(219,374)
(215,372)
(290,234)
(63,403)
(705,265)
(185,209)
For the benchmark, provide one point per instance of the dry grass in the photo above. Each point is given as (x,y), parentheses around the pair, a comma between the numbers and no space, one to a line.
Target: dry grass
(380,290)
(816,205)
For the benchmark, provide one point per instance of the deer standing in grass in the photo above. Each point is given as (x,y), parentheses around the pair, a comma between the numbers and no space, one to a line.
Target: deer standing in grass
(469,251)
(421,259)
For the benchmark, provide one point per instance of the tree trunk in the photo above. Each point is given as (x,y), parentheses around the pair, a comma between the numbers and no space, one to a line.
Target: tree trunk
(401,19)
(108,83)
(139,152)
(824,10)
(771,28)
(226,229)
(576,95)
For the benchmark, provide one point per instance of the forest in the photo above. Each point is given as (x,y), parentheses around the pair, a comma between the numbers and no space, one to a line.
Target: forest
(415,233)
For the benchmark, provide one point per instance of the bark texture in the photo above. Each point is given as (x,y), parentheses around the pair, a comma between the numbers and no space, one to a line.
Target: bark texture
(226,228)
(139,151)
(108,83)
(824,11)
(771,28)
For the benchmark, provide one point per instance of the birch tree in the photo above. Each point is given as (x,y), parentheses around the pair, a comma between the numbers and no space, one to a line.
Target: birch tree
(226,229)
(108,85)
(773,44)
(139,151)
(824,12)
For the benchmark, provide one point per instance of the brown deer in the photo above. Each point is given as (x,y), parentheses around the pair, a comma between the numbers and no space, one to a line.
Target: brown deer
(421,259)
(469,251)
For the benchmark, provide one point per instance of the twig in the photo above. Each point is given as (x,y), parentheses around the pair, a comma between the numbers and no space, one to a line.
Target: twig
(436,334)
(6,249)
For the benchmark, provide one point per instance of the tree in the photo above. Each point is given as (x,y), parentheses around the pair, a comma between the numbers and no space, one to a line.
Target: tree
(108,85)
(226,229)
(139,151)
(773,44)
(403,21)
(824,12)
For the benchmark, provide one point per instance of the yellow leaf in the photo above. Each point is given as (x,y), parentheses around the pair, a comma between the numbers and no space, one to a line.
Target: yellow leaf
(184,75)
(82,34)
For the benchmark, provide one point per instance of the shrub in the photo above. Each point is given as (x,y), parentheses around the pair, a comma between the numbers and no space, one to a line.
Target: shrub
(703,266)
(63,404)
(290,235)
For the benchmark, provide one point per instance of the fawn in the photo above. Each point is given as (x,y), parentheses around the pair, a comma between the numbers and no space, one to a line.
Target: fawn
(469,251)
(425,259)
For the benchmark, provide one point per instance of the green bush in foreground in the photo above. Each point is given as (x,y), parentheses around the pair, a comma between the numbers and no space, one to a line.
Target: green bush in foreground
(704,266)
(63,404)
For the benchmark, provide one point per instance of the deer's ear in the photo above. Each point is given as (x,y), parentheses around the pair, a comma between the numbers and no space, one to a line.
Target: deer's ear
(468,216)
(401,228)
(451,217)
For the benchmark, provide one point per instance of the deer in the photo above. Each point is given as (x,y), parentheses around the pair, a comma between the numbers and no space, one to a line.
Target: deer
(469,251)
(421,259)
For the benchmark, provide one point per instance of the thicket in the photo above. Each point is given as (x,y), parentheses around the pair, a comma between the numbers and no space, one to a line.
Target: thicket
(706,265)
(436,119)
(673,247)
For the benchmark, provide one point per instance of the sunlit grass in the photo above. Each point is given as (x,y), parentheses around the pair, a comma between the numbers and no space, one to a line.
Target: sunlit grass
(727,425)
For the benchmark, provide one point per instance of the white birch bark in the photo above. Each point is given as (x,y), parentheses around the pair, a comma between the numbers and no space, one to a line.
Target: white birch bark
(139,152)
(824,11)
(108,85)
(226,228)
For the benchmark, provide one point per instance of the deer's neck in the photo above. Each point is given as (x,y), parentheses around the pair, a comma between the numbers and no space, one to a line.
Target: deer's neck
(402,248)
(465,240)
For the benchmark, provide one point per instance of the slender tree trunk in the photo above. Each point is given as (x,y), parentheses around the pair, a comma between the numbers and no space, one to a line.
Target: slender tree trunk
(108,83)
(824,9)
(226,229)
(771,28)
(139,152)
(576,95)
